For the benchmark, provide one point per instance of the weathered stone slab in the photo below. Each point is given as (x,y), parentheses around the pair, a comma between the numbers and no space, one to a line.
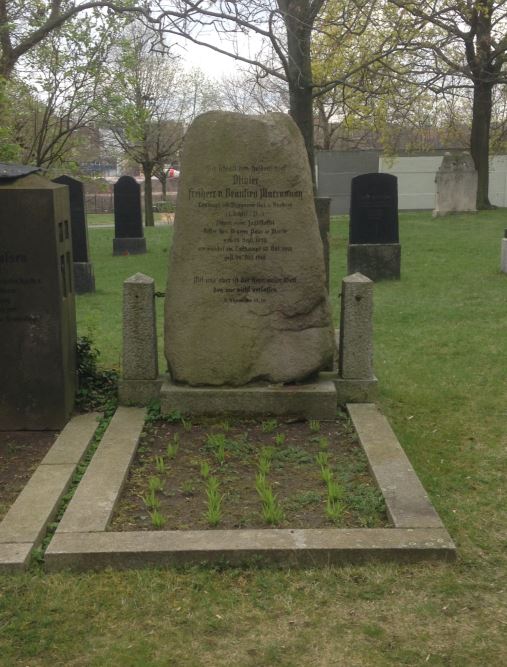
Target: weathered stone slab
(93,503)
(456,185)
(246,295)
(140,360)
(407,502)
(355,361)
(37,305)
(311,400)
(32,510)
(287,548)
(377,261)
(73,441)
(14,557)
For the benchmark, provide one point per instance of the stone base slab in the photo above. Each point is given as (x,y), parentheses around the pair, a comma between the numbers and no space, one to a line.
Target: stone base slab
(316,400)
(355,391)
(376,261)
(84,279)
(139,392)
(129,246)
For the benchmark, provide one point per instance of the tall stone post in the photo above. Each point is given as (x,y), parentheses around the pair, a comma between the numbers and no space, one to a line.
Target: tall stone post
(356,381)
(322,209)
(139,382)
(503,259)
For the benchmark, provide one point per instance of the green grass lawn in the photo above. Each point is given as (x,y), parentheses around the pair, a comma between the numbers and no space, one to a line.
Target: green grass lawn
(441,360)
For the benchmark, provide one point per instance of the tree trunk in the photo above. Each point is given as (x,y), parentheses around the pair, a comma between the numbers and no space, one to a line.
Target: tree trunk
(299,30)
(479,140)
(163,182)
(149,220)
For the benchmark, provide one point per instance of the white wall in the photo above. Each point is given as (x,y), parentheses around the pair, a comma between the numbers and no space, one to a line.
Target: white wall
(416,179)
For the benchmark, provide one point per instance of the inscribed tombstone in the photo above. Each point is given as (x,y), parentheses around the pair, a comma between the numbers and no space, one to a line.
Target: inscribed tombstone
(246,295)
(37,311)
(128,218)
(374,209)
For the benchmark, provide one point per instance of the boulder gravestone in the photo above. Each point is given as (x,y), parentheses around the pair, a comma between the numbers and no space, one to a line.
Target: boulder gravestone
(37,311)
(128,218)
(246,297)
(84,280)
(456,185)
(374,248)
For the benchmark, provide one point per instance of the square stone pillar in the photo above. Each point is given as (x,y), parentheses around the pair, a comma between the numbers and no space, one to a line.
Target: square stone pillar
(356,381)
(503,258)
(139,382)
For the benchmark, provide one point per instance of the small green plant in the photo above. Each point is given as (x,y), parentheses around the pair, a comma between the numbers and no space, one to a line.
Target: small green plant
(322,459)
(151,501)
(157,519)
(335,491)
(269,426)
(314,425)
(280,439)
(225,426)
(173,446)
(217,442)
(265,458)
(334,510)
(323,442)
(204,469)
(272,512)
(326,475)
(155,484)
(214,502)
(187,424)
(160,464)
(188,488)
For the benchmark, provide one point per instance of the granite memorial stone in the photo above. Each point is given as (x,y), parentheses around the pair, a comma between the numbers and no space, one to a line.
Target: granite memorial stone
(128,218)
(246,295)
(456,185)
(374,249)
(84,280)
(37,310)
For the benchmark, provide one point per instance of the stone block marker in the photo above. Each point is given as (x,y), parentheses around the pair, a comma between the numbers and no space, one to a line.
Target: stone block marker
(128,218)
(356,380)
(503,258)
(84,280)
(456,185)
(139,382)
(24,525)
(37,305)
(374,249)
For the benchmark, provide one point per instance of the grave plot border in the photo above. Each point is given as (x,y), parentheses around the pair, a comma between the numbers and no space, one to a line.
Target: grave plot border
(23,527)
(81,541)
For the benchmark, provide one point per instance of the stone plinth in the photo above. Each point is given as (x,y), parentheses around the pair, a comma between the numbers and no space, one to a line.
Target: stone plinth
(129,246)
(312,400)
(139,382)
(377,261)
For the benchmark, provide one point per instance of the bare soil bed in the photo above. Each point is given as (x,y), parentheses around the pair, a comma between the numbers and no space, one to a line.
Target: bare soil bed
(185,456)
(20,454)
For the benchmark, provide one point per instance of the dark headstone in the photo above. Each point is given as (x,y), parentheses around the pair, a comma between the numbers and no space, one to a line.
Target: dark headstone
(128,218)
(322,209)
(83,271)
(374,209)
(505,233)
(37,308)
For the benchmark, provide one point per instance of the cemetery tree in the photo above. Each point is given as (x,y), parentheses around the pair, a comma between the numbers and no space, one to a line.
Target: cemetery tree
(144,108)
(468,46)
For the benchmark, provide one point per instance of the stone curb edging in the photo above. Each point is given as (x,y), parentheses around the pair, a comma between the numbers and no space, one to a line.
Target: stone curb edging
(82,543)
(23,527)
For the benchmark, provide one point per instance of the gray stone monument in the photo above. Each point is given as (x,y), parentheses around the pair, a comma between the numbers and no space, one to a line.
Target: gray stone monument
(128,218)
(503,256)
(247,309)
(456,185)
(37,310)
(139,382)
(84,280)
(374,249)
